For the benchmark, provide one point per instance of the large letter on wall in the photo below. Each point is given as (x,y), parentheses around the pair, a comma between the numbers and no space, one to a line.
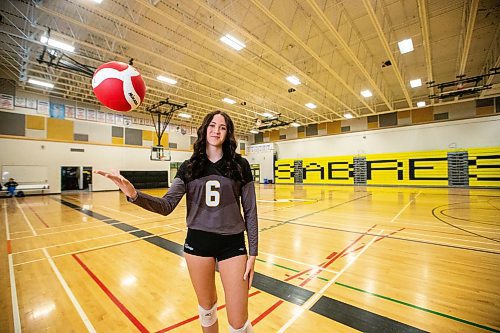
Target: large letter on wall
(484,167)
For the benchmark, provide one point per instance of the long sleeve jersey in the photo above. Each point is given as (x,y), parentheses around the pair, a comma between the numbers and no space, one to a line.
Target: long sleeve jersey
(213,200)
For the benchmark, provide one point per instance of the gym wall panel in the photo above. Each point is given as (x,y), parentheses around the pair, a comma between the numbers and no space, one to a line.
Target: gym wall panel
(275,135)
(133,136)
(312,130)
(148,135)
(284,171)
(164,140)
(388,119)
(98,133)
(117,141)
(333,127)
(422,168)
(485,110)
(12,124)
(59,129)
(372,125)
(422,115)
(484,167)
(117,132)
(404,118)
(36,134)
(35,122)
(461,111)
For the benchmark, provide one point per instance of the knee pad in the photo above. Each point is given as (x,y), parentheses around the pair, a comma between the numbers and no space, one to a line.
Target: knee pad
(247,328)
(207,317)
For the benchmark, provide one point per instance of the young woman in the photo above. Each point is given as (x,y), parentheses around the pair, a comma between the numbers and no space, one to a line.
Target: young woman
(215,180)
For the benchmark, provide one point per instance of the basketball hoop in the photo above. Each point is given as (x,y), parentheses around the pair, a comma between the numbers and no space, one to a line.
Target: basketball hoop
(159,154)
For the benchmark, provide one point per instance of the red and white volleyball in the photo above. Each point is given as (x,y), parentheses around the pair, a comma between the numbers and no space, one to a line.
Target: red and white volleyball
(118,86)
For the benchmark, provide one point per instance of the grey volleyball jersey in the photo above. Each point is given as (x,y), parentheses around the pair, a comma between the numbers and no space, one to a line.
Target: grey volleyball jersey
(214,201)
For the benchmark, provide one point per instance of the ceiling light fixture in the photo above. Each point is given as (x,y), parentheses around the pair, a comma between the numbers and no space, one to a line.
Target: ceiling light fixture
(229,100)
(311,105)
(421,104)
(254,131)
(405,46)
(415,83)
(57,44)
(166,79)
(267,115)
(293,80)
(295,124)
(184,115)
(41,83)
(233,42)
(366,93)
(348,115)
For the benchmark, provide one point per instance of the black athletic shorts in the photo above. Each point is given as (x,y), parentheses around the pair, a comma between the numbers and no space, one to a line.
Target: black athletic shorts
(209,244)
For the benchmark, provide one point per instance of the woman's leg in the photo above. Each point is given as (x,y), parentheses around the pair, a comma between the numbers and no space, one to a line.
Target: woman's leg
(235,290)
(202,273)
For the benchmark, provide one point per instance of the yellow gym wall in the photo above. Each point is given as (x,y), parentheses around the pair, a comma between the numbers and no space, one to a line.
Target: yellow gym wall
(422,168)
(59,129)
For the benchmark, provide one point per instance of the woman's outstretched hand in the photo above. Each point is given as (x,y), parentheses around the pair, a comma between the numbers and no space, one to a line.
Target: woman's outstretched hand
(125,186)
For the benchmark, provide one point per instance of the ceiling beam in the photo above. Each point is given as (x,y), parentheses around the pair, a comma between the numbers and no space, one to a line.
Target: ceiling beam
(283,60)
(470,13)
(385,44)
(330,70)
(349,51)
(424,27)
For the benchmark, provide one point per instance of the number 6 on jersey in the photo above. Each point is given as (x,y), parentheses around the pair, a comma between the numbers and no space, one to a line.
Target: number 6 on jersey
(212,196)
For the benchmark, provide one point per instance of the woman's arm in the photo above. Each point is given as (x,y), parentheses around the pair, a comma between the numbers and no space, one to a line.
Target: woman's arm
(163,206)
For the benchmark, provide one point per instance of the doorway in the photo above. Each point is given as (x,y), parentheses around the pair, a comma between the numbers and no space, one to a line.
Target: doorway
(75,178)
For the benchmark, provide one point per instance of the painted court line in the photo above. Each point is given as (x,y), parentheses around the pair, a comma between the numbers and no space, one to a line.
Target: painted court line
(298,262)
(310,302)
(113,298)
(404,208)
(98,225)
(59,276)
(13,289)
(120,212)
(102,246)
(95,238)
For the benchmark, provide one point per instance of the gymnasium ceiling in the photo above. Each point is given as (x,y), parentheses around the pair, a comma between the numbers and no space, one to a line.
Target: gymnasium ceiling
(336,48)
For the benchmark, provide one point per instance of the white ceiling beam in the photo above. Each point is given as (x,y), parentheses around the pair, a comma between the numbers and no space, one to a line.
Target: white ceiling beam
(216,44)
(385,44)
(470,13)
(195,55)
(349,51)
(290,33)
(267,49)
(424,27)
(132,45)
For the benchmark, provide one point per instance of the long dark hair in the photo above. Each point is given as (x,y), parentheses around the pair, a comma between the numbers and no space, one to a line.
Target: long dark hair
(199,159)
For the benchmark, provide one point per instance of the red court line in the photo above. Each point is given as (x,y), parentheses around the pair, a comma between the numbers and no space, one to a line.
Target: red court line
(193,318)
(338,255)
(324,265)
(268,311)
(115,300)
(9,246)
(380,238)
(38,216)
(331,255)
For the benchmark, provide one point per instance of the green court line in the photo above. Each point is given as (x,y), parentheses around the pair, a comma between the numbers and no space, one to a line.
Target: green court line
(396,301)
(289,269)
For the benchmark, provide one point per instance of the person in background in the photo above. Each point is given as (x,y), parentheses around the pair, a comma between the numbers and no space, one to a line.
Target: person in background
(11,186)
